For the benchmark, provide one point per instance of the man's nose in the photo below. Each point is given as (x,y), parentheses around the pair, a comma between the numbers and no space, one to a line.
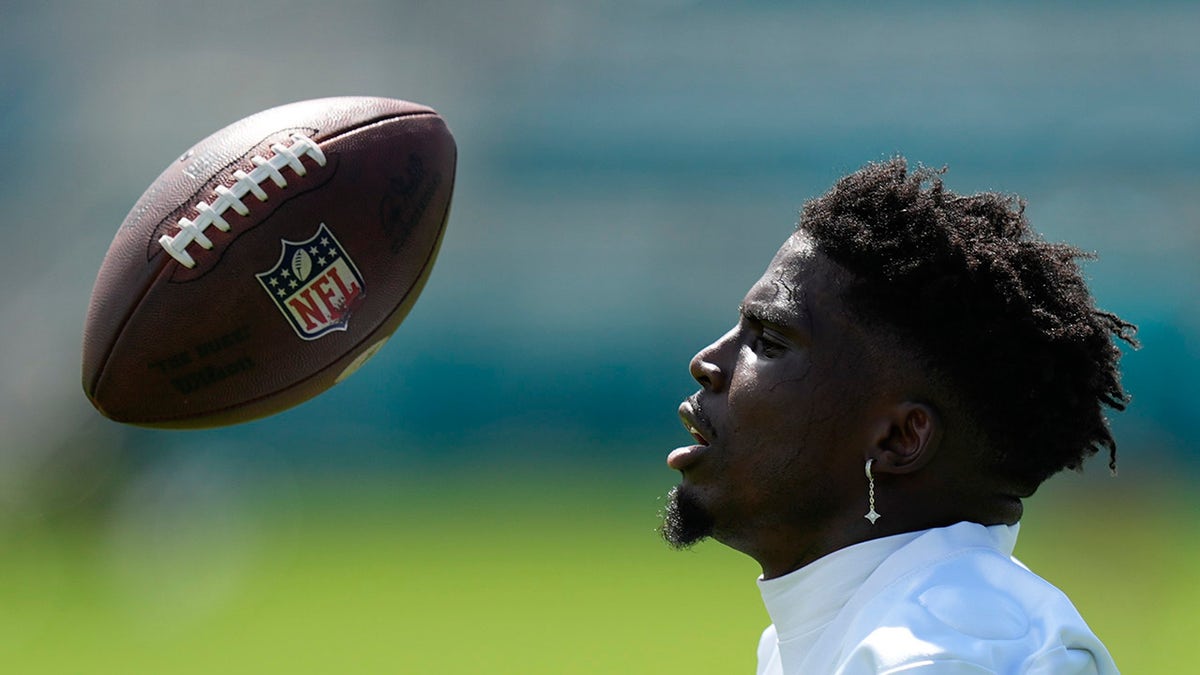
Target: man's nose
(706,366)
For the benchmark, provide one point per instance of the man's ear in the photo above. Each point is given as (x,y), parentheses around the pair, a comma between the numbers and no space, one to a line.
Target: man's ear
(908,438)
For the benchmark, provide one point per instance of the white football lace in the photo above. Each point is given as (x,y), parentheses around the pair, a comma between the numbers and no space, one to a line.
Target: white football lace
(231,197)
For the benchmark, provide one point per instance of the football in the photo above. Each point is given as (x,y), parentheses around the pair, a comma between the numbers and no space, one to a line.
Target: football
(268,262)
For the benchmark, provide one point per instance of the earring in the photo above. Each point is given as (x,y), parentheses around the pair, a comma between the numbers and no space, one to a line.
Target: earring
(871,515)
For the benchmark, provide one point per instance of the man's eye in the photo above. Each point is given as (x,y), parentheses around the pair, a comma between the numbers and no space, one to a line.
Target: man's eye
(767,347)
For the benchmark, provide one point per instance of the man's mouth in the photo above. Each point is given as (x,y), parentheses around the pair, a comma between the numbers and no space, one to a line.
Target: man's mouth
(697,425)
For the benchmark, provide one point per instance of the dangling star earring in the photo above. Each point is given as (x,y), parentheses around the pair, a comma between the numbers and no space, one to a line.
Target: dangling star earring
(871,515)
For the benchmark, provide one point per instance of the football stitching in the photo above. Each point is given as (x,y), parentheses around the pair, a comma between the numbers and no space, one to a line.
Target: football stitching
(286,156)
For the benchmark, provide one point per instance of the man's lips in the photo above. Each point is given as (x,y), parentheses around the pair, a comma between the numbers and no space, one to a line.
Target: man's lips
(694,421)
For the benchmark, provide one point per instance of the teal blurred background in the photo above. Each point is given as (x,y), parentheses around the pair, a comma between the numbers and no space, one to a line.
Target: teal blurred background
(482,496)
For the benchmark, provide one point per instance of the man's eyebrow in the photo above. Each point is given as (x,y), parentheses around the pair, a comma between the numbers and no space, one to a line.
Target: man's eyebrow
(767,314)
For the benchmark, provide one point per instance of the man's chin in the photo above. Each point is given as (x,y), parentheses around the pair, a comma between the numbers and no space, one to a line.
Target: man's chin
(685,521)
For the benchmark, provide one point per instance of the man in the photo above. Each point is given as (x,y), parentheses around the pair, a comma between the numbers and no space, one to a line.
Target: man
(912,364)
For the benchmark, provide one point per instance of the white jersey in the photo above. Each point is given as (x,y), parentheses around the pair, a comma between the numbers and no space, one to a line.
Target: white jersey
(950,600)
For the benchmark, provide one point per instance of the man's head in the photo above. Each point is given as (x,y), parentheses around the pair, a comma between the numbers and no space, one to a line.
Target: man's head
(930,332)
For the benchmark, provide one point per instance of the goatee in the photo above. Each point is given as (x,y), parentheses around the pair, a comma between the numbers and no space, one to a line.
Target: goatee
(685,520)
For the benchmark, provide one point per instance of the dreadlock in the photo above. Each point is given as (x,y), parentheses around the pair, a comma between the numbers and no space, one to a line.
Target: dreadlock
(998,315)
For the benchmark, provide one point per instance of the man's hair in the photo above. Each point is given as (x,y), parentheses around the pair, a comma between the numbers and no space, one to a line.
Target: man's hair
(995,313)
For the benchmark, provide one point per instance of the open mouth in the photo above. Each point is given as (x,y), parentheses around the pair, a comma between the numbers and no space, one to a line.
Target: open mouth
(682,459)
(695,422)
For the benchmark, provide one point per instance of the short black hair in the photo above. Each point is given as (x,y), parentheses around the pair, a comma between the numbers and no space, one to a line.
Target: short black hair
(1002,317)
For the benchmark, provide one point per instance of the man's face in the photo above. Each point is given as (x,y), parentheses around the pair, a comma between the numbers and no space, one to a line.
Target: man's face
(779,419)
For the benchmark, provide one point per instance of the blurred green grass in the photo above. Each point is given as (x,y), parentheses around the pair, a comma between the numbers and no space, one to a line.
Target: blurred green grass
(500,574)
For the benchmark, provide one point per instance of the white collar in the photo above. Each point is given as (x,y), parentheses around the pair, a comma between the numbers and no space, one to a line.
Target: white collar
(809,598)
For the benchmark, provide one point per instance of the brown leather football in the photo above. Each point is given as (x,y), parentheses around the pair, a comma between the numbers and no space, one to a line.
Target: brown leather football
(268,262)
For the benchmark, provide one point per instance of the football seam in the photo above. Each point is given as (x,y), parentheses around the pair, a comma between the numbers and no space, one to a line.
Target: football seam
(164,263)
(230,197)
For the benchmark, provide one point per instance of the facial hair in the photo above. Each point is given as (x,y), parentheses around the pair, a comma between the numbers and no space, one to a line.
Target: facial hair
(685,520)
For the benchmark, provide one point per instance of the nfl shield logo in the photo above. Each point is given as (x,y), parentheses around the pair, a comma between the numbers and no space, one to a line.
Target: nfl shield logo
(314,284)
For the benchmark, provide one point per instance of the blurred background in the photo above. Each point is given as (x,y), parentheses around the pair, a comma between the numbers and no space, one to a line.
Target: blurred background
(482,497)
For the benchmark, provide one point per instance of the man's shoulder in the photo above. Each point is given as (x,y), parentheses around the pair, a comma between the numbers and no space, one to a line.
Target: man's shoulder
(975,605)
(975,594)
(957,583)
